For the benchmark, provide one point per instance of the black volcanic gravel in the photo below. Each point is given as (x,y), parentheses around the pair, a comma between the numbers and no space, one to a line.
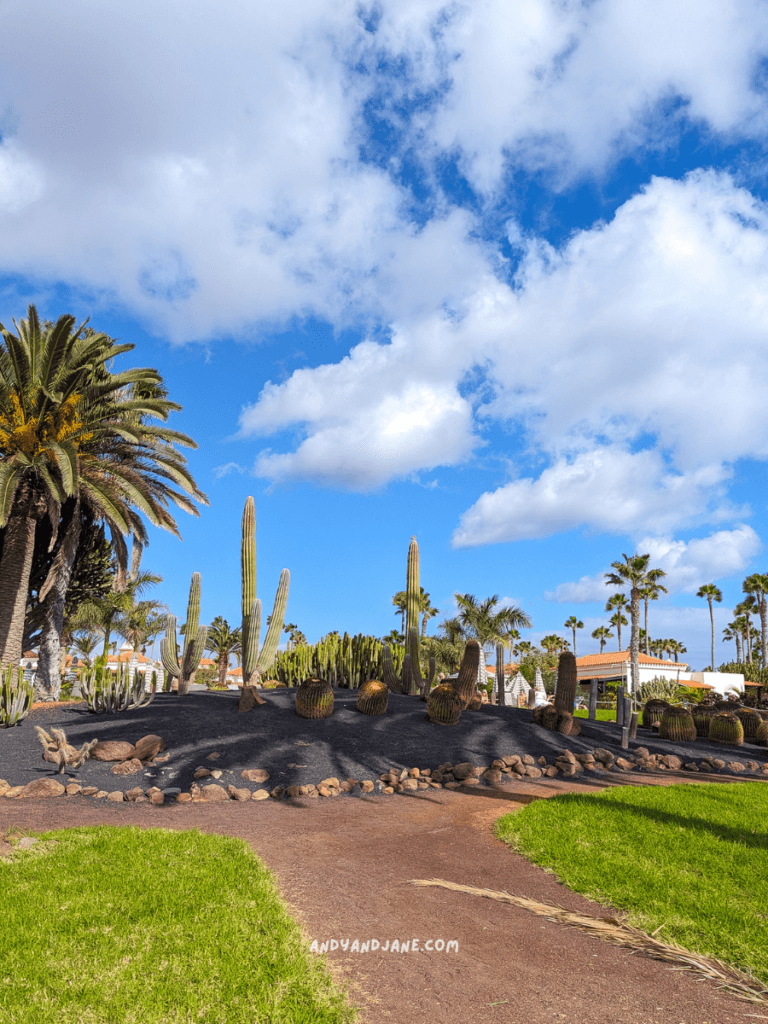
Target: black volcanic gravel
(297,751)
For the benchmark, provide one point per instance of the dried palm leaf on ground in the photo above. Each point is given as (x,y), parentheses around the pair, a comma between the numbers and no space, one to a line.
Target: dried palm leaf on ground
(614,930)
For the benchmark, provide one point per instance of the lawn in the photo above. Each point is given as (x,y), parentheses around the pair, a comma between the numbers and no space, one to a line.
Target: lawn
(691,860)
(601,714)
(154,926)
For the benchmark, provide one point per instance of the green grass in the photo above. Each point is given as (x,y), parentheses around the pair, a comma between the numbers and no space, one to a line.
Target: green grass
(155,926)
(601,714)
(693,858)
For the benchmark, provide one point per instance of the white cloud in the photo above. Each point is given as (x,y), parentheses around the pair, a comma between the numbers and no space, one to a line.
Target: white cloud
(688,565)
(227,468)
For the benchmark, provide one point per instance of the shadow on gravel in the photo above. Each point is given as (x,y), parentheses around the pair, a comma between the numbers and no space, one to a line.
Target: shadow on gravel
(297,751)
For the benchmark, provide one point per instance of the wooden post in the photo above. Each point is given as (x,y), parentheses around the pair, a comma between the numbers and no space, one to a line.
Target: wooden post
(627,710)
(531,698)
(625,737)
(592,699)
(619,705)
(633,724)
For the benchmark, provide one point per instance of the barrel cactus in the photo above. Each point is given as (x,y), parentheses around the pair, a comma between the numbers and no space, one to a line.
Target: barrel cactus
(444,705)
(314,699)
(761,736)
(372,697)
(677,724)
(726,728)
(750,721)
(702,716)
(653,710)
(466,684)
(567,724)
(726,705)
(546,716)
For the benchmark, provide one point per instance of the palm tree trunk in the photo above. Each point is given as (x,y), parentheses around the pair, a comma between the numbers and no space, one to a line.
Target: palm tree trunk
(50,655)
(646,626)
(738,648)
(15,568)
(763,632)
(223,666)
(712,622)
(634,640)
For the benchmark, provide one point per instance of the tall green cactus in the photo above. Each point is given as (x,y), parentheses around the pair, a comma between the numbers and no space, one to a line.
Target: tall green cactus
(412,610)
(256,662)
(183,668)
(16,695)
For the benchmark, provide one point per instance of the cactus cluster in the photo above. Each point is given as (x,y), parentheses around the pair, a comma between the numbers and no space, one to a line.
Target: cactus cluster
(182,669)
(16,695)
(726,728)
(750,721)
(549,717)
(677,724)
(314,699)
(372,697)
(105,692)
(653,710)
(444,705)
(256,661)
(345,661)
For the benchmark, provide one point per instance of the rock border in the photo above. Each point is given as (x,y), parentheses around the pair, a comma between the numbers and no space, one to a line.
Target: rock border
(498,774)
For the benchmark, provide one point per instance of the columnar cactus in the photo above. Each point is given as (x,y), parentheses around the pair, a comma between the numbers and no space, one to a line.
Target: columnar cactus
(444,705)
(105,691)
(501,693)
(466,684)
(183,668)
(372,698)
(314,699)
(566,682)
(676,724)
(412,610)
(16,694)
(391,678)
(256,662)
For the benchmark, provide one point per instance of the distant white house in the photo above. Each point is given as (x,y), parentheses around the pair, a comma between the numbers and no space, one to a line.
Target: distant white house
(616,666)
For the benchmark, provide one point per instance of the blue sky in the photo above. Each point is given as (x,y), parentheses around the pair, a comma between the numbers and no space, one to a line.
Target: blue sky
(494,276)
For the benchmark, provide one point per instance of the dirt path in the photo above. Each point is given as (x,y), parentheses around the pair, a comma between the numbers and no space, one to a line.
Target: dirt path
(343,866)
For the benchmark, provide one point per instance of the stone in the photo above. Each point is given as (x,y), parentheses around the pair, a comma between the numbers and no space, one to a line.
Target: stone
(214,792)
(116,796)
(347,787)
(493,776)
(422,785)
(15,790)
(255,774)
(184,798)
(550,772)
(754,766)
(153,789)
(542,761)
(133,794)
(717,762)
(277,792)
(202,773)
(411,784)
(527,759)
(413,773)
(643,753)
(672,761)
(241,794)
(566,768)
(41,788)
(567,755)
(498,764)
(113,750)
(100,794)
(4,786)
(533,772)
(216,773)
(161,757)
(691,766)
(463,771)
(367,786)
(89,790)
(584,759)
(156,798)
(170,791)
(733,766)
(73,789)
(332,781)
(148,747)
(519,768)
(606,757)
(452,785)
(624,764)
(214,756)
(127,767)
(511,760)
(260,794)
(141,799)
(434,785)
(388,790)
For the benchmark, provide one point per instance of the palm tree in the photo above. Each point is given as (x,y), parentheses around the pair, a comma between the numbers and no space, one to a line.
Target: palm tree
(757,586)
(554,644)
(731,633)
(69,428)
(425,608)
(574,624)
(619,602)
(524,649)
(635,572)
(651,592)
(603,634)
(393,638)
(617,620)
(744,610)
(712,593)
(400,602)
(428,611)
(142,623)
(675,648)
(85,643)
(295,637)
(223,641)
(480,621)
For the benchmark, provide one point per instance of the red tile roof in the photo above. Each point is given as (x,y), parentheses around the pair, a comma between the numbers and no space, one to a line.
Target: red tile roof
(621,657)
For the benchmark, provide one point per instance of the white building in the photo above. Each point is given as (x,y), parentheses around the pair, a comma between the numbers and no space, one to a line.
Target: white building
(616,666)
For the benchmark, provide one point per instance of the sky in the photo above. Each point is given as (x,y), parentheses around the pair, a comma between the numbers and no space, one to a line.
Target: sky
(492,275)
